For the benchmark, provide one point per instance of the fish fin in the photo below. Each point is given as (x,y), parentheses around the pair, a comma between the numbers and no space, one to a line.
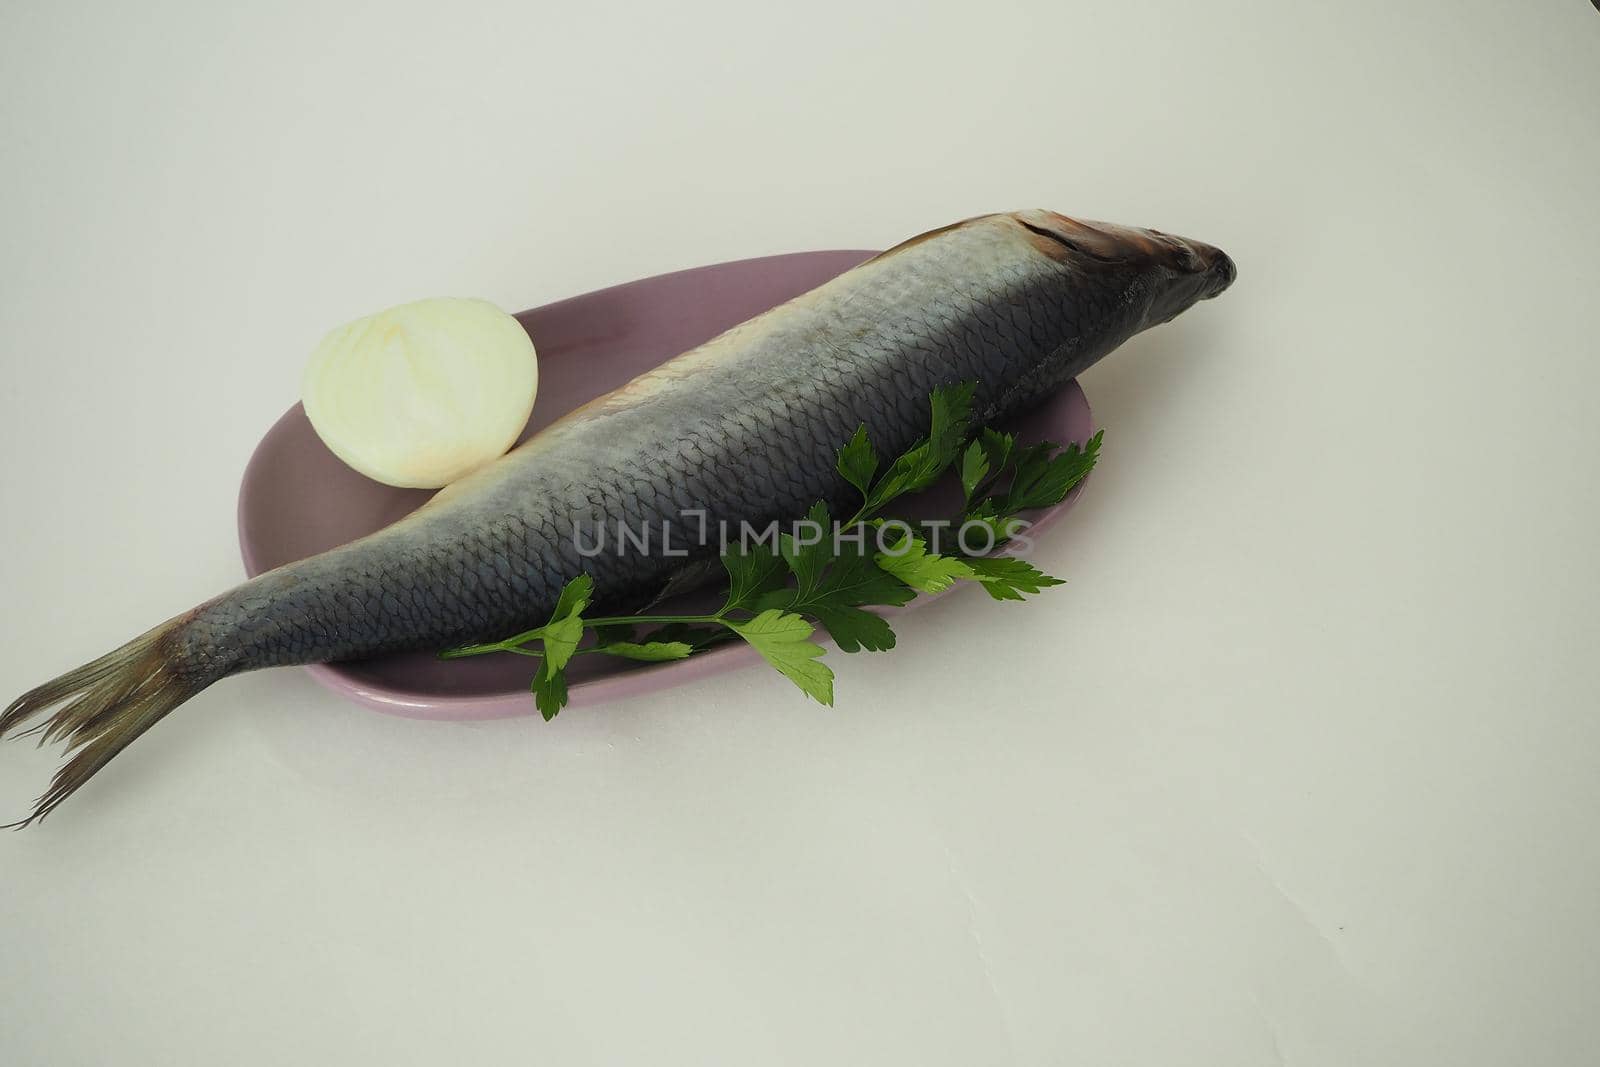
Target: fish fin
(108,703)
(929,235)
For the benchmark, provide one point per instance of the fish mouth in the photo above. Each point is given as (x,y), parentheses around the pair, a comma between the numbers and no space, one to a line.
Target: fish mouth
(1220,270)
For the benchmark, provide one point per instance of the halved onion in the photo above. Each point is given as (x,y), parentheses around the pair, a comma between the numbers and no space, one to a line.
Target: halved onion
(424,393)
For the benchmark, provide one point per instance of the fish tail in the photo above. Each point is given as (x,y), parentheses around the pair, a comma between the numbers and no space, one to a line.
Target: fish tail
(106,704)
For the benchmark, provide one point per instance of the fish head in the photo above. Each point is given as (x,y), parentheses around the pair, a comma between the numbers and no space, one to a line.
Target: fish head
(1149,277)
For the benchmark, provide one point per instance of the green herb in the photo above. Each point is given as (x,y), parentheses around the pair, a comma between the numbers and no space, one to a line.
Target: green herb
(910,561)
(777,597)
(784,640)
(1009,578)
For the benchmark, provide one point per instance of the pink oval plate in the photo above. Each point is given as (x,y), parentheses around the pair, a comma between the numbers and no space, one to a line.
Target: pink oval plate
(298,499)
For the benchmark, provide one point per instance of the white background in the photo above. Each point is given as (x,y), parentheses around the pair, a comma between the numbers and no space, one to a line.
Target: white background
(1299,768)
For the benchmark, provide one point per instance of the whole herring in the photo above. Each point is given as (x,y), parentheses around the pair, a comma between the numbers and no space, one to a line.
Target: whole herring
(742,428)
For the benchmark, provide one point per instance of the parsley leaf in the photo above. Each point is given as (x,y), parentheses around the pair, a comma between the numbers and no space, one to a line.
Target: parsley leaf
(559,640)
(751,572)
(853,629)
(807,558)
(921,465)
(834,599)
(912,563)
(1043,480)
(784,640)
(549,692)
(996,447)
(858,462)
(852,579)
(1009,578)
(565,628)
(575,596)
(974,469)
(856,580)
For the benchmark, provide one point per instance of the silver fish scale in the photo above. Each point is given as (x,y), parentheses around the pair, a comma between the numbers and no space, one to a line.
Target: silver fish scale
(744,428)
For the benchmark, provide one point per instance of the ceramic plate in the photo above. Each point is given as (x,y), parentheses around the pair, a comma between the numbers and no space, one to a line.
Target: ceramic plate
(297,499)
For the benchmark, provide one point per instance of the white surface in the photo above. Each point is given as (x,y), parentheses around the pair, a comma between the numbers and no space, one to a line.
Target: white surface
(1298,769)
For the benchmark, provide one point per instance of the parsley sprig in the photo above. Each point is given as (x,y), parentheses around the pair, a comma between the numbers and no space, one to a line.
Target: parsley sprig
(778,596)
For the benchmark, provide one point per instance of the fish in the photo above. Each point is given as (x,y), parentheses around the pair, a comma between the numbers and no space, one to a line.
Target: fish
(742,429)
